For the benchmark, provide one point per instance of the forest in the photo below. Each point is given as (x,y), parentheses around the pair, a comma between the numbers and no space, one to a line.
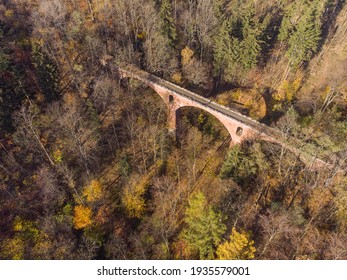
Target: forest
(89,169)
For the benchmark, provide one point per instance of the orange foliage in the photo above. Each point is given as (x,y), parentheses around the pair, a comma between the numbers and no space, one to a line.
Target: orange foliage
(181,250)
(82,217)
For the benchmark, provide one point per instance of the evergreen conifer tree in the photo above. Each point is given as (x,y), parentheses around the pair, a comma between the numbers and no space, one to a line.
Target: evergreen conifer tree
(301,29)
(204,227)
(251,43)
(238,44)
(304,41)
(169,28)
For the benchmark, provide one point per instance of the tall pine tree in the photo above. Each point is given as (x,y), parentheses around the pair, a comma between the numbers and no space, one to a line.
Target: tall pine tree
(204,227)
(169,27)
(251,44)
(238,44)
(301,29)
(227,51)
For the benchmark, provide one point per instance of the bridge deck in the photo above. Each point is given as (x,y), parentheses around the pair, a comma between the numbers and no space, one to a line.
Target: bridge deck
(277,136)
(264,129)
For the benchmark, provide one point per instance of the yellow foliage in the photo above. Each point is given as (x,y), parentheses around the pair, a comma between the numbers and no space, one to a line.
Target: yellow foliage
(319,198)
(83,217)
(9,13)
(140,120)
(201,118)
(25,232)
(141,35)
(39,97)
(94,191)
(287,90)
(344,95)
(223,100)
(26,227)
(341,204)
(296,84)
(78,67)
(236,96)
(57,156)
(43,245)
(325,93)
(286,93)
(84,95)
(36,43)
(177,78)
(250,99)
(18,224)
(133,199)
(187,55)
(13,248)
(240,247)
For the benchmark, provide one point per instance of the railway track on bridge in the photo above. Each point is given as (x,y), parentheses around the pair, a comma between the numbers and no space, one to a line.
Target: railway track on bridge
(140,74)
(291,143)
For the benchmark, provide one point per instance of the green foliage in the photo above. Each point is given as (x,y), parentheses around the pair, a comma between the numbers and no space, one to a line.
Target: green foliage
(222,46)
(95,129)
(4,61)
(12,82)
(65,215)
(94,234)
(238,44)
(218,6)
(124,166)
(329,130)
(169,27)
(242,164)
(251,43)
(47,73)
(204,227)
(301,28)
(76,25)
(231,163)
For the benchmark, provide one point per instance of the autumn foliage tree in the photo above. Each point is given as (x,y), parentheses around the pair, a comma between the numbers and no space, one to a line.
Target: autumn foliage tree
(204,228)
(239,247)
(89,169)
(94,191)
(82,217)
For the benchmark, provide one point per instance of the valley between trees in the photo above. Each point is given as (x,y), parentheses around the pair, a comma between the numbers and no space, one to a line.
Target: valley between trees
(89,170)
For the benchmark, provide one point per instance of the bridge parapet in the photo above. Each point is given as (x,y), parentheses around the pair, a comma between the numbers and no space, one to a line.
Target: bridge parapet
(176,97)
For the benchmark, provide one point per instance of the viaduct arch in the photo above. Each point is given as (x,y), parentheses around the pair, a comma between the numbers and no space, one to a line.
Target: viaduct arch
(240,127)
(175,100)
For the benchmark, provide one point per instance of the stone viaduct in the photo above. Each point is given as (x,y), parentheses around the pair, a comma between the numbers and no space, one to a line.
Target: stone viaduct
(240,127)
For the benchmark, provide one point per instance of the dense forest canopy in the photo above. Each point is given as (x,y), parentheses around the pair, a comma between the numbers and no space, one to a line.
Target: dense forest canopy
(89,170)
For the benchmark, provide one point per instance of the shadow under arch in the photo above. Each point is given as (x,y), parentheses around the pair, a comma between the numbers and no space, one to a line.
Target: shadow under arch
(234,123)
(204,121)
(176,99)
(209,123)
